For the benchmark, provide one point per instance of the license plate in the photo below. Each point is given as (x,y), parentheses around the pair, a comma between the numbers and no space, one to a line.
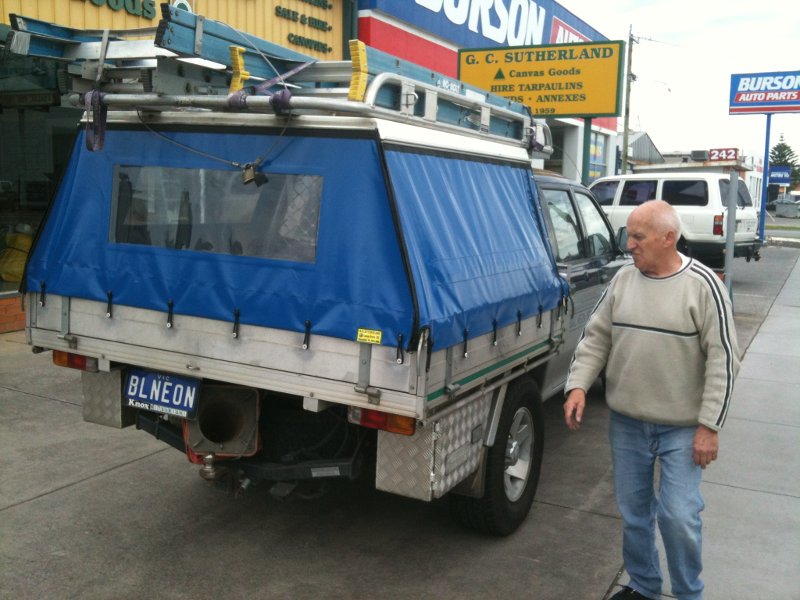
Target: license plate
(162,393)
(748,226)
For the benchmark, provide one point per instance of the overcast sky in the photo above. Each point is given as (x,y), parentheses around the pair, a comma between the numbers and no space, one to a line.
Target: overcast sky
(681,95)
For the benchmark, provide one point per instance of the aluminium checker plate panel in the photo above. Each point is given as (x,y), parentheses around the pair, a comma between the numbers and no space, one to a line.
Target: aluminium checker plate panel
(102,399)
(437,457)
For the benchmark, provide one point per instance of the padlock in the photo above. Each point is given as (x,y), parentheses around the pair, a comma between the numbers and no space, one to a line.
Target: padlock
(248,173)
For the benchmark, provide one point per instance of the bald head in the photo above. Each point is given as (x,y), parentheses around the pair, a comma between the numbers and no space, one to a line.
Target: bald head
(653,232)
(660,216)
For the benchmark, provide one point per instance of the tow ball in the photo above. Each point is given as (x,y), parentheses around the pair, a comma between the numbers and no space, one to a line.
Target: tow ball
(209,470)
(223,477)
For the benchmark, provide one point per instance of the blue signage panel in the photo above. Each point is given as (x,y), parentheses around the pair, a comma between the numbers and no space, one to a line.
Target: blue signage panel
(780,175)
(758,93)
(481,23)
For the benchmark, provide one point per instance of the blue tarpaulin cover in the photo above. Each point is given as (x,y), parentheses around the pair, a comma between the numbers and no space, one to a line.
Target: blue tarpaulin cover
(468,234)
(477,252)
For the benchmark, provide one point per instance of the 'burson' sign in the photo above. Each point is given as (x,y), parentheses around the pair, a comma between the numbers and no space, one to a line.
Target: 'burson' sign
(777,92)
(489,23)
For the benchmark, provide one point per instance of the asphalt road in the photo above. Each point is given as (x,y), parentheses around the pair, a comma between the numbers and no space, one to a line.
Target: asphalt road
(92,512)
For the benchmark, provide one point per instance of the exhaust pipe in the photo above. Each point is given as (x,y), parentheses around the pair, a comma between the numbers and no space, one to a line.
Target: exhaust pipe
(227,422)
(221,419)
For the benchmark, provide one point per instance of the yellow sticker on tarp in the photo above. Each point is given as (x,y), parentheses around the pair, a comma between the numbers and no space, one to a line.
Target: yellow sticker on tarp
(369,336)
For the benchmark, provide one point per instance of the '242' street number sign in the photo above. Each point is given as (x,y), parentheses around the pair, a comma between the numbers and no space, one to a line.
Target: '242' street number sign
(723,154)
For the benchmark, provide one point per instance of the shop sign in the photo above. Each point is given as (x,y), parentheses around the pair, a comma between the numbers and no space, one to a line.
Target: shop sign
(780,175)
(561,33)
(306,21)
(761,93)
(484,23)
(137,8)
(563,80)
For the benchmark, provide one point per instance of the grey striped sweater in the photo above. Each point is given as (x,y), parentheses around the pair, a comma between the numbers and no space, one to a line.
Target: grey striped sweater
(668,346)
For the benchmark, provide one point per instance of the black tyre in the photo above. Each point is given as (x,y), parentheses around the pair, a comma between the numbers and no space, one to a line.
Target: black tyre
(713,262)
(512,467)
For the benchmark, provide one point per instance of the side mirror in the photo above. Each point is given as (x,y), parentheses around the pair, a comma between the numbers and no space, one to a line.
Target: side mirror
(622,239)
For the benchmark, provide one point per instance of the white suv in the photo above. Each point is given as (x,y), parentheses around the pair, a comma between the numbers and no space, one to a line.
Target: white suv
(701,200)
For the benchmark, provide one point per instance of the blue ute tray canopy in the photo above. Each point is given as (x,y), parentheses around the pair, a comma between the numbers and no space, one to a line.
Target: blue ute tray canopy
(340,232)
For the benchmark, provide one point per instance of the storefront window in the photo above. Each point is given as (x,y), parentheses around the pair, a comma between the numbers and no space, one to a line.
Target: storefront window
(34,147)
(556,160)
(597,156)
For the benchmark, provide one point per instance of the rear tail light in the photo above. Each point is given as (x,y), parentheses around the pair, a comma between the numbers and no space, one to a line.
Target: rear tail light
(718,224)
(376,419)
(74,361)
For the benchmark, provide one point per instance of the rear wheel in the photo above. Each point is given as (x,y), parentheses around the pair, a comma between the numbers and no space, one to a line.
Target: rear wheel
(713,262)
(513,464)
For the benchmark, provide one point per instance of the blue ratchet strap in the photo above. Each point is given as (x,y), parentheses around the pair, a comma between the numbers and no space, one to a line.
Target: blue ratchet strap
(96,127)
(94,100)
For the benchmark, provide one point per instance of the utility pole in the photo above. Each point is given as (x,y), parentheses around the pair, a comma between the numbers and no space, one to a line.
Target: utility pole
(629,79)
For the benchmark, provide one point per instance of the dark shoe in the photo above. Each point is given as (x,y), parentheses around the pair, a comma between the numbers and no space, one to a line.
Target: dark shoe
(628,594)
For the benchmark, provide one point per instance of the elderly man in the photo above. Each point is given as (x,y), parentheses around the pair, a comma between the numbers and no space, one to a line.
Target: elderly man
(663,331)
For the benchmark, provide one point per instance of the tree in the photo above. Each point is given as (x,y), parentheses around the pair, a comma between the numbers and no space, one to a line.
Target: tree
(782,155)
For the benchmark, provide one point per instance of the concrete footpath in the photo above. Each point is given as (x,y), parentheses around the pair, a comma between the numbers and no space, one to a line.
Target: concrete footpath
(752,493)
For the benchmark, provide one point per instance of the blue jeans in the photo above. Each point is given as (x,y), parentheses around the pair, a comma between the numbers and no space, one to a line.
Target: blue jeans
(675,505)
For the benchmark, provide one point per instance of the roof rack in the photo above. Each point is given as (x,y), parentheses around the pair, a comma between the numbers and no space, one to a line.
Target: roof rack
(192,61)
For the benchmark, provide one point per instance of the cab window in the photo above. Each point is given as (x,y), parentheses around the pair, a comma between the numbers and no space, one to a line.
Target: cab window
(743,196)
(605,191)
(565,225)
(598,235)
(638,192)
(692,192)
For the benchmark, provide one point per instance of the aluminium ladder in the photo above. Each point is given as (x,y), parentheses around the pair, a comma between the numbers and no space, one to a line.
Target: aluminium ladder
(172,68)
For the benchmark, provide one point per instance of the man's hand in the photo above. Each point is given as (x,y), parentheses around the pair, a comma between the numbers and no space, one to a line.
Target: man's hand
(706,446)
(573,408)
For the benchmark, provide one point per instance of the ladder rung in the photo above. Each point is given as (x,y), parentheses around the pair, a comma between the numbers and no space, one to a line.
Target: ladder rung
(122,50)
(118,87)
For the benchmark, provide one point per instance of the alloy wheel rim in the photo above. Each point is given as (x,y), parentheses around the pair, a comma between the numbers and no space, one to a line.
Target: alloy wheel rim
(519,452)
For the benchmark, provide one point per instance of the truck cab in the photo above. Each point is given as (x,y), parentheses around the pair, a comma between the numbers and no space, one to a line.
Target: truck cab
(588,257)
